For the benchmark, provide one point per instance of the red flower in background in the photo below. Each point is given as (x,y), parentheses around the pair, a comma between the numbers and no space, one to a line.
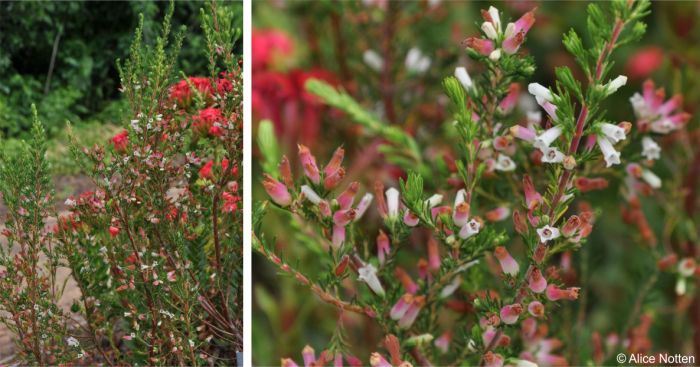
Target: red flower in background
(120,141)
(208,120)
(181,93)
(280,95)
(267,44)
(644,62)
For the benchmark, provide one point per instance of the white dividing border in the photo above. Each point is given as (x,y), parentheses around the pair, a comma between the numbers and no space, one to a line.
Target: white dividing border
(247,183)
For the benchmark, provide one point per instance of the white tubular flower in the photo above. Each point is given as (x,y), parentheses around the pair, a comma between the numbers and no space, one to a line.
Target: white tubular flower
(434,200)
(546,138)
(363,205)
(639,105)
(686,267)
(368,274)
(72,342)
(463,76)
(489,30)
(392,202)
(610,155)
(539,91)
(525,363)
(495,55)
(451,288)
(534,117)
(680,286)
(310,194)
(504,163)
(653,180)
(613,132)
(650,150)
(416,61)
(373,60)
(460,197)
(548,233)
(493,12)
(469,229)
(615,84)
(552,155)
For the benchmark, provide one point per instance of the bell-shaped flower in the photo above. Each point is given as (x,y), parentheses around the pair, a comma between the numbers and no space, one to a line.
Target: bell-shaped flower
(277,191)
(508,263)
(510,313)
(545,139)
(650,149)
(614,133)
(463,76)
(615,84)
(392,202)
(308,163)
(368,274)
(471,228)
(610,155)
(552,155)
(536,281)
(548,233)
(536,309)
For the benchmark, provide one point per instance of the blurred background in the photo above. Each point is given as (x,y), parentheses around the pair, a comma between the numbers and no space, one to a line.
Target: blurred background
(347,44)
(62,56)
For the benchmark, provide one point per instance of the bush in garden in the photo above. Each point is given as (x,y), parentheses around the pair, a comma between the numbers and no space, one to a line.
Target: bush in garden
(496,225)
(155,248)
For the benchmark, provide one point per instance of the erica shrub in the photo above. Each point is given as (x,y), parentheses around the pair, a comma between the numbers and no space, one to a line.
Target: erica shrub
(470,259)
(155,248)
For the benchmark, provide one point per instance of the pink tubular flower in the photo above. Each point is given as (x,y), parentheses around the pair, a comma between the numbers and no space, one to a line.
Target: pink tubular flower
(410,219)
(412,312)
(308,162)
(492,359)
(554,293)
(346,198)
(363,205)
(330,182)
(482,46)
(401,306)
(498,214)
(515,32)
(383,246)
(508,264)
(460,215)
(277,191)
(585,184)
(523,133)
(377,360)
(532,197)
(571,226)
(536,309)
(656,115)
(510,313)
(335,163)
(511,99)
(443,342)
(120,141)
(536,281)
(309,355)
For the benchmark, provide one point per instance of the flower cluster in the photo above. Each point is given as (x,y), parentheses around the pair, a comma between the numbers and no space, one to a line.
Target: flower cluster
(489,239)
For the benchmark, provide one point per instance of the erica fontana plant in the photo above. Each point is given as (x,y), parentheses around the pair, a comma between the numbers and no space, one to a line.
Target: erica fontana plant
(155,248)
(472,260)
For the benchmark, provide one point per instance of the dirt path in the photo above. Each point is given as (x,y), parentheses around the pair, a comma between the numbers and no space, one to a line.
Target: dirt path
(66,186)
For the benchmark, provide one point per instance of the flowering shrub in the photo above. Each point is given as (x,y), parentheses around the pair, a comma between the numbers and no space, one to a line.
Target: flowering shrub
(473,258)
(155,248)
